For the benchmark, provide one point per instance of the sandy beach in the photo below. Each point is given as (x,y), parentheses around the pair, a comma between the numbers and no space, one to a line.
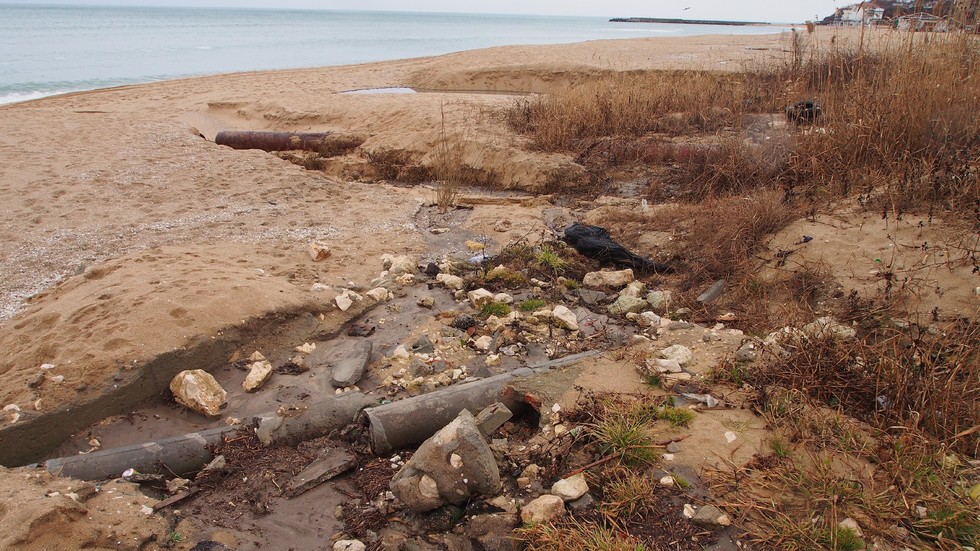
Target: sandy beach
(125,234)
(128,234)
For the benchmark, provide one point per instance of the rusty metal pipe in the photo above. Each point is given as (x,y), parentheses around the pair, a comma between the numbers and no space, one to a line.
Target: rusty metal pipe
(324,143)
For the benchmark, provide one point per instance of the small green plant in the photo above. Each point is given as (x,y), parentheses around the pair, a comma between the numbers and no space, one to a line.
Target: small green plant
(846,539)
(174,538)
(779,447)
(531,304)
(654,381)
(498,309)
(681,482)
(677,417)
(624,433)
(571,284)
(506,278)
(627,494)
(549,260)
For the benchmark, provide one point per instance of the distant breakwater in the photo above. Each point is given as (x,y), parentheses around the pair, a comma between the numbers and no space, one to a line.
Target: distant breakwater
(683,21)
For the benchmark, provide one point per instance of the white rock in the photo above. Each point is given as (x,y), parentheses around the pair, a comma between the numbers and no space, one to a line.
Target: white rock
(563,317)
(450,281)
(405,280)
(319,251)
(344,301)
(615,280)
(257,356)
(397,265)
(197,390)
(571,488)
(258,375)
(349,545)
(828,327)
(400,353)
(657,365)
(492,360)
(543,509)
(305,348)
(634,290)
(483,343)
(679,353)
(503,298)
(379,294)
(667,481)
(649,319)
(493,323)
(319,288)
(58,379)
(479,297)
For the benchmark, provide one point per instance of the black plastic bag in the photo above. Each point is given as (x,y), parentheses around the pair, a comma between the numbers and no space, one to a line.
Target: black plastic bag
(595,243)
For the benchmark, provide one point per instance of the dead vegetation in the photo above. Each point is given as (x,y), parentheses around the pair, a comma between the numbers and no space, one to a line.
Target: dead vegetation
(882,430)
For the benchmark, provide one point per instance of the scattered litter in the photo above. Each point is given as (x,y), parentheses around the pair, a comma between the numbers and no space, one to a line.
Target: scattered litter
(705,399)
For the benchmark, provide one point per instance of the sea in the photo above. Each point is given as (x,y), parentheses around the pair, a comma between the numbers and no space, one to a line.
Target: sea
(47,50)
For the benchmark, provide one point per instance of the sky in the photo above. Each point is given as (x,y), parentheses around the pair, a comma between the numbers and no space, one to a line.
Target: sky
(782,11)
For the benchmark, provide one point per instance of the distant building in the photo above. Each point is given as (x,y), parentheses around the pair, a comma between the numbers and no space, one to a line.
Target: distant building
(922,22)
(864,13)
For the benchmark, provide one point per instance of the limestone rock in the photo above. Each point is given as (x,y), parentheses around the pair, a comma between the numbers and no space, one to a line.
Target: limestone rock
(398,265)
(503,298)
(450,281)
(259,373)
(319,251)
(197,390)
(680,353)
(346,299)
(349,545)
(634,290)
(483,343)
(615,280)
(710,516)
(571,488)
(543,509)
(828,328)
(450,467)
(659,301)
(379,294)
(563,317)
(480,297)
(626,304)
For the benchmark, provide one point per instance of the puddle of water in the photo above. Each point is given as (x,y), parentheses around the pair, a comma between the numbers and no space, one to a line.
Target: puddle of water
(381,91)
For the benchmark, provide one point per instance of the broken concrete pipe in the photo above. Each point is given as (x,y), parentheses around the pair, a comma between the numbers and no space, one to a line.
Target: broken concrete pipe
(190,452)
(406,423)
(324,143)
(397,425)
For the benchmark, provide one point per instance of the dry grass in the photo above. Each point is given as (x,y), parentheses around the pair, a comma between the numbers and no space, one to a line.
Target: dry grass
(899,118)
(716,238)
(637,103)
(922,381)
(902,490)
